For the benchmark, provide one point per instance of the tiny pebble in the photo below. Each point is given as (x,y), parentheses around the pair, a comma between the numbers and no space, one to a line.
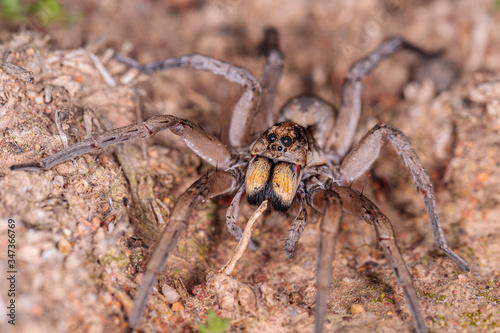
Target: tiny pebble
(96,222)
(39,100)
(293,311)
(357,308)
(177,306)
(171,295)
(58,180)
(64,246)
(462,278)
(420,271)
(51,254)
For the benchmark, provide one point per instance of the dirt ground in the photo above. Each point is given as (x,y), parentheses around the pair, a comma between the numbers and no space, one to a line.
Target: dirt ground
(85,229)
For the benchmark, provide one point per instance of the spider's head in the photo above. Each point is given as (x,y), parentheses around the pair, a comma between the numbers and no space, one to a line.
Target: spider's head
(274,171)
(285,142)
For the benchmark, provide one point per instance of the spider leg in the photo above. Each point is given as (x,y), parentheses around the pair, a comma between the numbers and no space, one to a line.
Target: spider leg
(213,184)
(203,144)
(244,112)
(350,105)
(328,203)
(232,216)
(358,205)
(296,230)
(269,80)
(362,157)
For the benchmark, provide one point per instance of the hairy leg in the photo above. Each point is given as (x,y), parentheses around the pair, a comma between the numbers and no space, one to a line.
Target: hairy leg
(296,230)
(213,184)
(328,203)
(244,112)
(232,214)
(358,205)
(269,80)
(350,105)
(360,159)
(203,144)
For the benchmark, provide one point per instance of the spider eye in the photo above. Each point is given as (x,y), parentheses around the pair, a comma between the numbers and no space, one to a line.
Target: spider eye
(271,138)
(286,141)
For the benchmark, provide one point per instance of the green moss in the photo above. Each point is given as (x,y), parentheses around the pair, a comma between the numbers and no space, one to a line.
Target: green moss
(440,321)
(114,255)
(12,10)
(214,324)
(379,299)
(44,12)
(496,5)
(383,298)
(431,295)
(473,319)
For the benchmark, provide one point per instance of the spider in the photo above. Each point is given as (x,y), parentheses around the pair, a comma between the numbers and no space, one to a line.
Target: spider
(302,158)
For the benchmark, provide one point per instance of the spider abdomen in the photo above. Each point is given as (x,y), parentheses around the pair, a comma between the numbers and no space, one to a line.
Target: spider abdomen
(271,180)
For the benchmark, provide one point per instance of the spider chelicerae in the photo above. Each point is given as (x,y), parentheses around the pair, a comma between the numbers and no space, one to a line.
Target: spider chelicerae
(302,157)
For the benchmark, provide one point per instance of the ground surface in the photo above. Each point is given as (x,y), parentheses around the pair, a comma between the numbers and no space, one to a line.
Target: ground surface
(84,229)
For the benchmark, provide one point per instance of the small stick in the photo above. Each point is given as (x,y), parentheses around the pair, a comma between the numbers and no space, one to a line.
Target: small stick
(58,119)
(110,81)
(245,239)
(17,71)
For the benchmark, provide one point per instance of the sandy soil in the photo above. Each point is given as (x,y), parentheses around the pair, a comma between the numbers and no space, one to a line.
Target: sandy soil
(85,229)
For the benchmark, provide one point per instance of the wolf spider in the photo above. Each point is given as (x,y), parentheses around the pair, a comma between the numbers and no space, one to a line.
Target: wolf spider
(301,157)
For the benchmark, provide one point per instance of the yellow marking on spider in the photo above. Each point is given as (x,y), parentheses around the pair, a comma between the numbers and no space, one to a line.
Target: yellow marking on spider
(284,182)
(257,175)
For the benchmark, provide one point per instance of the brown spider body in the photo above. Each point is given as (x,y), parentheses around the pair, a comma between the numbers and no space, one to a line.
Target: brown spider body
(280,155)
(305,158)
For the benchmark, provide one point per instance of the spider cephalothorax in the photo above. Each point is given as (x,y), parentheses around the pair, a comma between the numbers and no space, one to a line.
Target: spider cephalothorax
(284,142)
(306,158)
